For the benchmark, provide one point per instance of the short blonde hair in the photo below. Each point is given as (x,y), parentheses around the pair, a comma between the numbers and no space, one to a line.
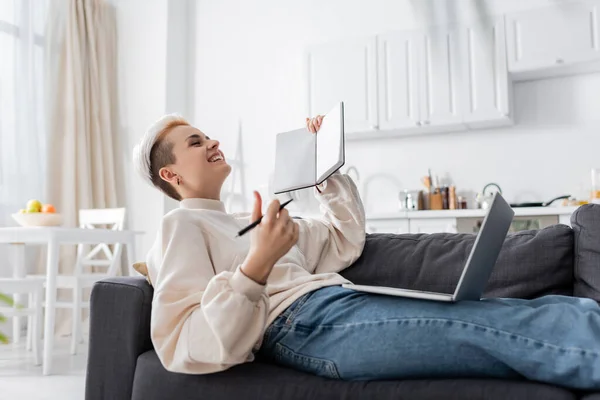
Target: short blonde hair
(154,152)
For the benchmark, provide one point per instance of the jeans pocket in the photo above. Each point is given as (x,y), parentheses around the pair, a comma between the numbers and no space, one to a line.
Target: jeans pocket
(314,365)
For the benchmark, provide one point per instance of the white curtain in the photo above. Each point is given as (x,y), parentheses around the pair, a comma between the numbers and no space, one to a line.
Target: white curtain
(82,115)
(22,106)
(82,121)
(22,111)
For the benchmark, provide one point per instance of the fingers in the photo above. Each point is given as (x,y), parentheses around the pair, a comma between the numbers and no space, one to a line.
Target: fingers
(257,211)
(295,232)
(311,126)
(314,124)
(290,231)
(284,216)
(319,119)
(271,215)
(283,221)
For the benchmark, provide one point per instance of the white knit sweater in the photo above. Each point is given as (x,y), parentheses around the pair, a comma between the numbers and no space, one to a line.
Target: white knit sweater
(207,315)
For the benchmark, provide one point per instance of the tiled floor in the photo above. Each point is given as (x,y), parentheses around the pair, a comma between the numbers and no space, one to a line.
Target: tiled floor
(20,379)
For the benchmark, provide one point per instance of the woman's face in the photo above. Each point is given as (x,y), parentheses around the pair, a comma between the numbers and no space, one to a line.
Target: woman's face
(199,164)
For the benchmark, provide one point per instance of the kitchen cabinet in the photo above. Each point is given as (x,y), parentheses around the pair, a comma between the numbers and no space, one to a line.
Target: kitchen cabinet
(444,79)
(441,77)
(555,36)
(345,71)
(433,225)
(438,79)
(462,221)
(388,226)
(486,85)
(419,80)
(399,69)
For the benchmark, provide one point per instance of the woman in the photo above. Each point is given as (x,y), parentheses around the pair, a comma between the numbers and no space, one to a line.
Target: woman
(219,298)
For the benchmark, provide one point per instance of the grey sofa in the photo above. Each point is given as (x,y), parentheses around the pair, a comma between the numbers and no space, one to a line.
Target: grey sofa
(557,260)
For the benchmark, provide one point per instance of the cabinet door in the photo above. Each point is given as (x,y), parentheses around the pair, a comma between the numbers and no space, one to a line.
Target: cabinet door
(397,226)
(441,76)
(554,35)
(433,225)
(345,71)
(486,85)
(398,54)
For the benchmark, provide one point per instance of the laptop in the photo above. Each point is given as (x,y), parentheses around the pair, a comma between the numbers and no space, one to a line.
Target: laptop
(480,263)
(304,159)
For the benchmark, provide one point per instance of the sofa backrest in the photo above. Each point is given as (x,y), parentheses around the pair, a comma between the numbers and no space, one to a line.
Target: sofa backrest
(530,264)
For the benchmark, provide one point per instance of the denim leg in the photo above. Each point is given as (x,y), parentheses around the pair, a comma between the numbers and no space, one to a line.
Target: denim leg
(339,333)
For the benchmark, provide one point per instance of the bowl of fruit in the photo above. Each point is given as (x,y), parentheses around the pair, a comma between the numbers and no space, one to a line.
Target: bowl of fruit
(38,214)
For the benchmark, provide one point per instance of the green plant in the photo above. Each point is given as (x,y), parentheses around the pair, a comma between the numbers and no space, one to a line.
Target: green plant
(4,299)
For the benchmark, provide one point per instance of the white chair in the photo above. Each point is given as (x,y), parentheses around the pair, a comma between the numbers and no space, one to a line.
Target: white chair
(33,311)
(108,218)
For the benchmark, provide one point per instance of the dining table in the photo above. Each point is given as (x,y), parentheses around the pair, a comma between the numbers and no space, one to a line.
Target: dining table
(54,237)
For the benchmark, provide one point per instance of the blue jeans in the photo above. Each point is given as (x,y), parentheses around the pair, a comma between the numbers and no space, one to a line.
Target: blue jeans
(342,334)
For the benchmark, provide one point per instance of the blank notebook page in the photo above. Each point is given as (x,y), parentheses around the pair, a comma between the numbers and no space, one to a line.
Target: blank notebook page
(294,160)
(329,143)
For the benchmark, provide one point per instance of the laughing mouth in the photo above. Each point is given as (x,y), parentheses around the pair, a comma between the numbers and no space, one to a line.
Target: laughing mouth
(215,158)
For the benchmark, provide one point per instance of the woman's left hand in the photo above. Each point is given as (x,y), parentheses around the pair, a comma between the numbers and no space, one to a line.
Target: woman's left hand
(314,124)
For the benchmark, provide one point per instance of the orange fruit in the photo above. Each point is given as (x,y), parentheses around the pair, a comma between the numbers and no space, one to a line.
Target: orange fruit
(48,208)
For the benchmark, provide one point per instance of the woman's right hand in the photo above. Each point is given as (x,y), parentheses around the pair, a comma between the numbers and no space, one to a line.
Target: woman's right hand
(276,234)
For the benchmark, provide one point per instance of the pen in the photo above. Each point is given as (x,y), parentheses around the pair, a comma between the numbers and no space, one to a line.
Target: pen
(255,223)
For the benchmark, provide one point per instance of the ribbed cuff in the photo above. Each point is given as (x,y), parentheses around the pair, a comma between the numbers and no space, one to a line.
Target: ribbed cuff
(242,284)
(320,188)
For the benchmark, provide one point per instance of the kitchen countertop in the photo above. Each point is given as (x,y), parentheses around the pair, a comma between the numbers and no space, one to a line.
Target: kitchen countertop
(471,213)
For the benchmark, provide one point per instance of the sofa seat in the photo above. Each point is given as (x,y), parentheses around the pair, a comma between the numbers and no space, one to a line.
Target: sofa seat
(263,381)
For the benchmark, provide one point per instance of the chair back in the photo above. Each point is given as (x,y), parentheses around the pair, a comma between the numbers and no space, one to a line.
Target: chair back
(100,255)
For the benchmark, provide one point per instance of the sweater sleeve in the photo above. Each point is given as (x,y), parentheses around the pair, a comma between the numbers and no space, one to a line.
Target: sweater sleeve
(335,241)
(201,322)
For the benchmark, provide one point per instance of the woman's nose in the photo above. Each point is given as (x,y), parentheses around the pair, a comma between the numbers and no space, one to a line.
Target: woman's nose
(214,144)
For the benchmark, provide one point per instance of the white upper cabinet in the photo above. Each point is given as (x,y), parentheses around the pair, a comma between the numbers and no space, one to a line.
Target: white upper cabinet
(405,82)
(560,34)
(486,84)
(441,78)
(345,71)
(419,80)
(399,106)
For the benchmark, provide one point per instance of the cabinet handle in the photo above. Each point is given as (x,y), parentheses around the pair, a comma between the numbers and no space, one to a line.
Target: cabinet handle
(418,123)
(426,122)
(374,127)
(560,61)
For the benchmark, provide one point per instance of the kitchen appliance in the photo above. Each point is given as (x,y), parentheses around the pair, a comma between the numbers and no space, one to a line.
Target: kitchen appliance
(411,200)
(484,199)
(544,204)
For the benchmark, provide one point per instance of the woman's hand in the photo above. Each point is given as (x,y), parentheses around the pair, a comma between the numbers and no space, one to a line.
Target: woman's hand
(270,240)
(314,124)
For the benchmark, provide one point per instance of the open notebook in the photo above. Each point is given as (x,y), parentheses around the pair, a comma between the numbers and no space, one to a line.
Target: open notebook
(303,159)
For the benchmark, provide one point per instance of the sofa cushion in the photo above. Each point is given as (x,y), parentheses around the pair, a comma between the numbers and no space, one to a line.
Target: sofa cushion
(263,381)
(593,396)
(586,226)
(530,264)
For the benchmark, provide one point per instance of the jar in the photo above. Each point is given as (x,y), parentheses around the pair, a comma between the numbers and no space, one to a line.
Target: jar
(595,192)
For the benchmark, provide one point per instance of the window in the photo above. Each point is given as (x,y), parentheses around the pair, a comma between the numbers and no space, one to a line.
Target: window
(22,118)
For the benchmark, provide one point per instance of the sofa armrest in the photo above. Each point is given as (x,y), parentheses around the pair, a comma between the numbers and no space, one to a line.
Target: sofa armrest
(119,332)
(586,225)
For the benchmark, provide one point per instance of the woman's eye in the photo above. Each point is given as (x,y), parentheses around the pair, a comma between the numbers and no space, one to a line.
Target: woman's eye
(196,144)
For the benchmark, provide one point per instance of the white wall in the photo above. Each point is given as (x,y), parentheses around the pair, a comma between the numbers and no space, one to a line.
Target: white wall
(142,75)
(249,63)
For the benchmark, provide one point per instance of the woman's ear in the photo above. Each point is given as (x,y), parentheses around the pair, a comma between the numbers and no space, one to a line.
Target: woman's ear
(167,175)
